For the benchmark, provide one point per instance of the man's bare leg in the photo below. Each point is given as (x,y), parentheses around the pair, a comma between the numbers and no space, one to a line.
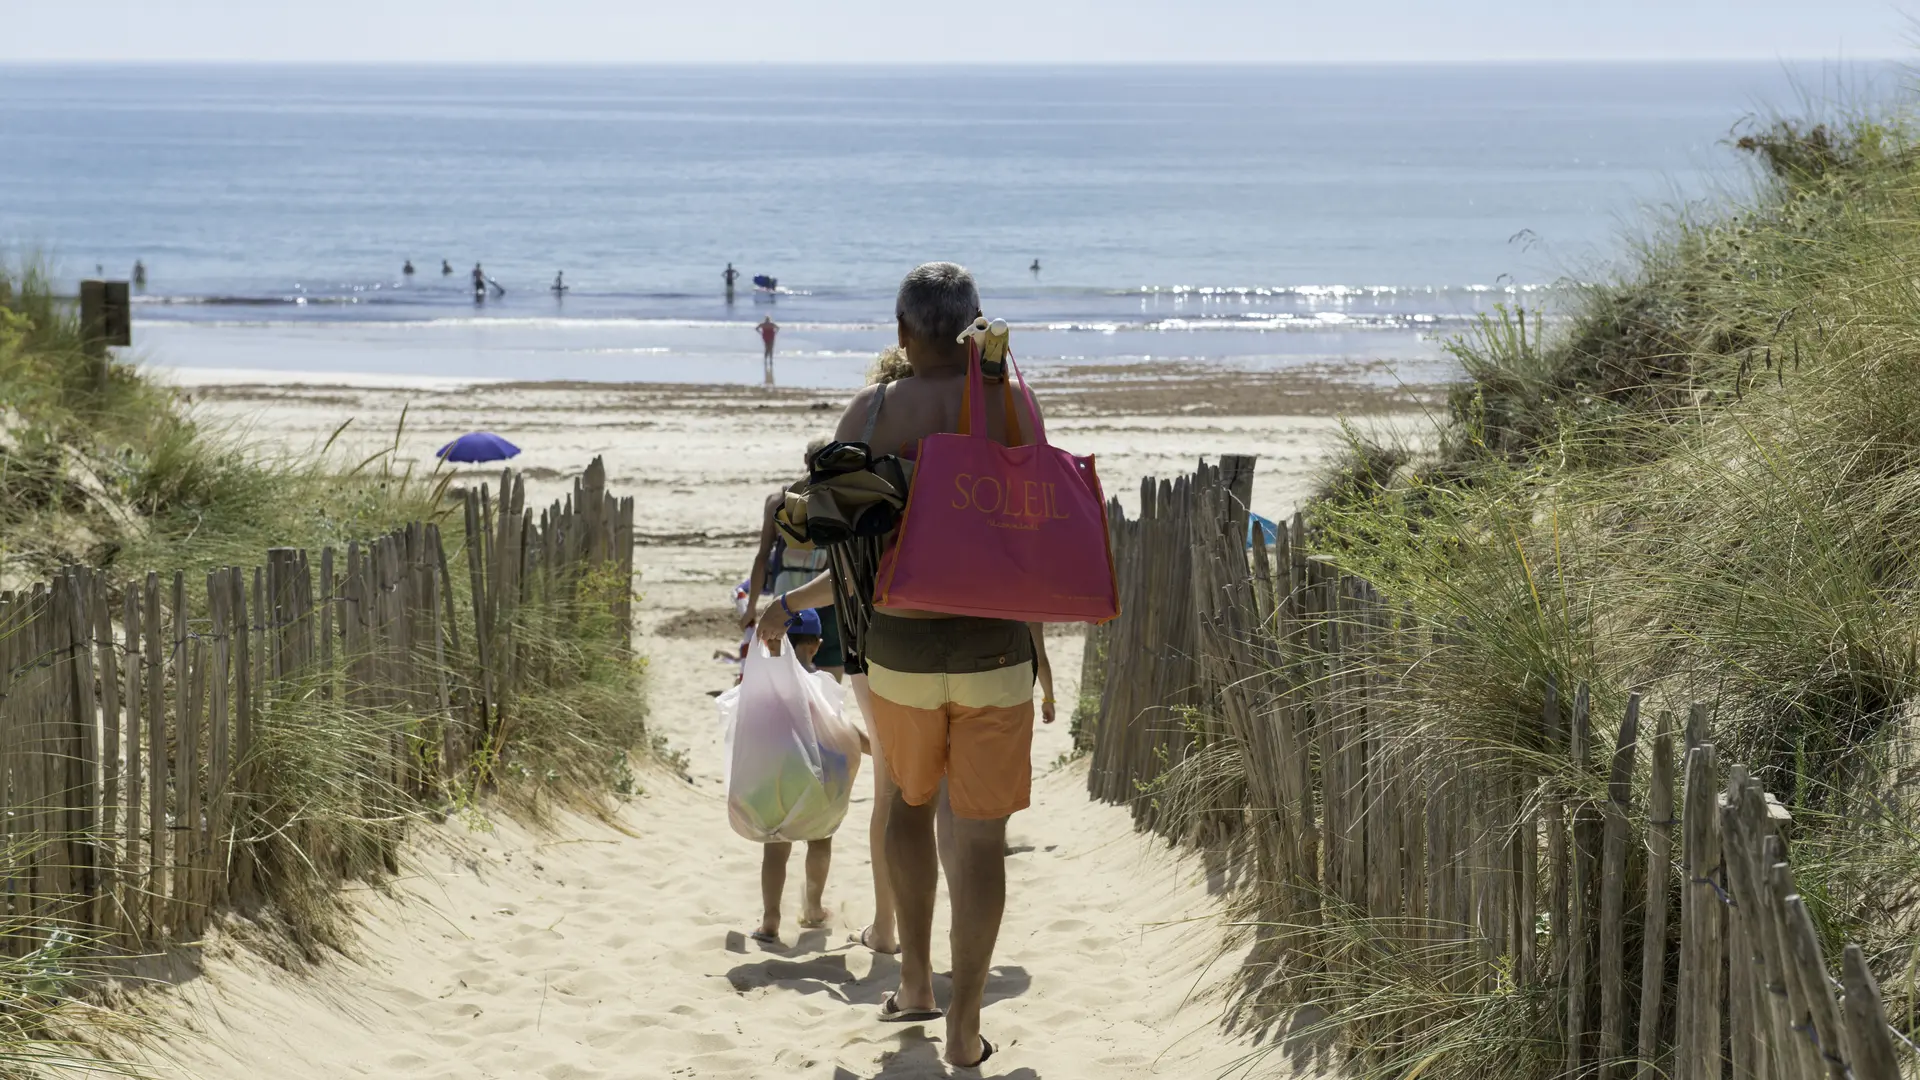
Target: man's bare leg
(916,874)
(943,833)
(819,859)
(978,890)
(773,882)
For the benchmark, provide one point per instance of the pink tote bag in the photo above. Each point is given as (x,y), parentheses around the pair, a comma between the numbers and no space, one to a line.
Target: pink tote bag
(1001,531)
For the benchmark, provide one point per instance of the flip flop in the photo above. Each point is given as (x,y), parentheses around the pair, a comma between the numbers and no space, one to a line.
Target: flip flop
(765,938)
(986,1051)
(860,939)
(892,1013)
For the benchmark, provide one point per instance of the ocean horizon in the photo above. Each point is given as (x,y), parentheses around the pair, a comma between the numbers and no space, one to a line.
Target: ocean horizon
(1265,216)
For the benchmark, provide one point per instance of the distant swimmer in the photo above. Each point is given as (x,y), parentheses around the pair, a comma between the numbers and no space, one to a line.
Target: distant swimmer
(139,273)
(445,268)
(408,269)
(559,282)
(1035,268)
(479,284)
(730,276)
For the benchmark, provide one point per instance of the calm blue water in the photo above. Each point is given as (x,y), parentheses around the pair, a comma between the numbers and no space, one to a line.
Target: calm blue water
(1263,216)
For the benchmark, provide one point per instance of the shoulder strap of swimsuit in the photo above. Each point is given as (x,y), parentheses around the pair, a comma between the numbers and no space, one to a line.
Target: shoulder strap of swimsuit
(873,412)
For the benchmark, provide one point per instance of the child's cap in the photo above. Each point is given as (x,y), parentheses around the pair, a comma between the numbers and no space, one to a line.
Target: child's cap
(806,622)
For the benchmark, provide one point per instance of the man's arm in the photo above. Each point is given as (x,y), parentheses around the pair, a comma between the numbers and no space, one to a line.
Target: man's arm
(759,572)
(1044,669)
(817,593)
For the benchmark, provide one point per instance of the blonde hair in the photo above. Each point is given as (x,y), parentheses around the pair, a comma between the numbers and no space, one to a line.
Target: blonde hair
(890,366)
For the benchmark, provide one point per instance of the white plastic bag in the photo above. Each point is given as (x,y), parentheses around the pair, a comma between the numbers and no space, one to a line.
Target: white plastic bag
(791,754)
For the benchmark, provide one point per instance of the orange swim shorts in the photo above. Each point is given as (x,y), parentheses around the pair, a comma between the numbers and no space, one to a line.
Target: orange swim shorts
(954,698)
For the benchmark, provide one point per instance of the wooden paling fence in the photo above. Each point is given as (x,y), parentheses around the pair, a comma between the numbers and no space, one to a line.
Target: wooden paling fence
(1481,866)
(136,792)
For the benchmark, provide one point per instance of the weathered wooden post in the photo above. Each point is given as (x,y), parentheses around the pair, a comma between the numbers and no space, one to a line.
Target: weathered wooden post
(106,319)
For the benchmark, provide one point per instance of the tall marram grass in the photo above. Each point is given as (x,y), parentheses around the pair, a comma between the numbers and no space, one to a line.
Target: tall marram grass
(568,741)
(571,736)
(121,476)
(1703,479)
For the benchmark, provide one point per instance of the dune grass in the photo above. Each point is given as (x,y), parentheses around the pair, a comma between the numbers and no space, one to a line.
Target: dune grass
(121,476)
(1704,480)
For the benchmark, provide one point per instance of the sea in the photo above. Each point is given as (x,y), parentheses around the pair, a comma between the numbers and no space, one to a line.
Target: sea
(1255,217)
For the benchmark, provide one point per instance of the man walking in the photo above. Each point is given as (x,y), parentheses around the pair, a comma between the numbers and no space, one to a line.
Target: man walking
(952,695)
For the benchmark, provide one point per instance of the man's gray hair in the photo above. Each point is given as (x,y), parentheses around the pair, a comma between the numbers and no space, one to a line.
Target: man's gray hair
(937,301)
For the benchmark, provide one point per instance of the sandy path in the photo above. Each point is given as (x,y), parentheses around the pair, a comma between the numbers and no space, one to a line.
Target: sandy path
(589,951)
(618,950)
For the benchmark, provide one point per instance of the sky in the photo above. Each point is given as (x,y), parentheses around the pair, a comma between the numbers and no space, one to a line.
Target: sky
(914,31)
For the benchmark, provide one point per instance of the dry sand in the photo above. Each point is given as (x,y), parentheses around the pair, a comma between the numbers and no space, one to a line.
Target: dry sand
(588,950)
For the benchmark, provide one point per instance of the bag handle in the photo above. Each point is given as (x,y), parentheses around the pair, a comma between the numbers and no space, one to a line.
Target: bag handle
(976,391)
(1033,407)
(973,393)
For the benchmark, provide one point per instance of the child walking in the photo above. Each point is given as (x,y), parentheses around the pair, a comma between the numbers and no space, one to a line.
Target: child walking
(804,637)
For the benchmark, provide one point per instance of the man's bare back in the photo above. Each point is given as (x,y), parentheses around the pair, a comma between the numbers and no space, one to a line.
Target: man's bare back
(922,405)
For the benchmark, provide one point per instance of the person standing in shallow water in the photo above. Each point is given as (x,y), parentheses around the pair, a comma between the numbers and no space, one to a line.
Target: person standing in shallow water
(768,331)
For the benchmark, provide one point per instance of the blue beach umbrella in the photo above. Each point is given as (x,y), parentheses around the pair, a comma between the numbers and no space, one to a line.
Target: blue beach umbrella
(478,446)
(1269,529)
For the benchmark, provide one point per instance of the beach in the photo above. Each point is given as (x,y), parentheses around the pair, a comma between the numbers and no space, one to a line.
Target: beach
(343,244)
(700,459)
(588,948)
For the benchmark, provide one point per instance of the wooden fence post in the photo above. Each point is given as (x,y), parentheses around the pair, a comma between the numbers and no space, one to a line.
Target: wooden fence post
(1653,955)
(107,827)
(1613,885)
(1869,1046)
(1702,922)
(132,876)
(160,844)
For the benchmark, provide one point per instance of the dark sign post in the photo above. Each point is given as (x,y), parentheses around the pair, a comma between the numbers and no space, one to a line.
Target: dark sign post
(106,318)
